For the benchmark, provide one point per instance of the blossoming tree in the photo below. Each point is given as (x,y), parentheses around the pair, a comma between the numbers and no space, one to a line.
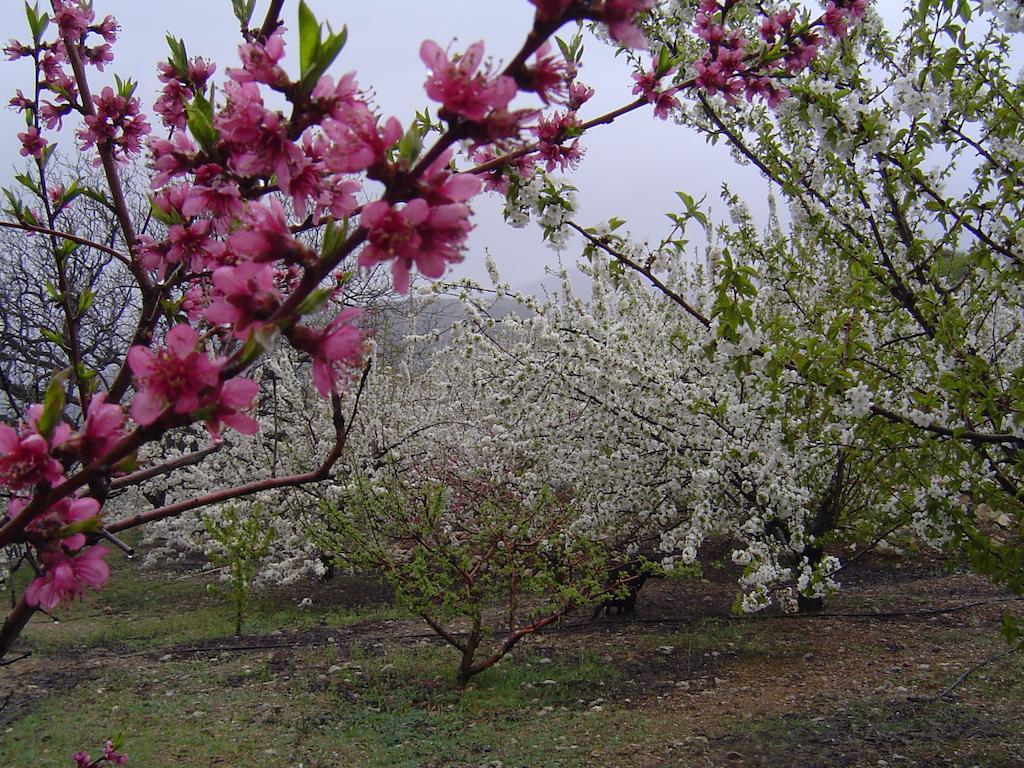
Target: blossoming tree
(241,172)
(899,159)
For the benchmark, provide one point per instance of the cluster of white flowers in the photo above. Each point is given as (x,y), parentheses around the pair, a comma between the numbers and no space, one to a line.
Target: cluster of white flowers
(1010,13)
(546,199)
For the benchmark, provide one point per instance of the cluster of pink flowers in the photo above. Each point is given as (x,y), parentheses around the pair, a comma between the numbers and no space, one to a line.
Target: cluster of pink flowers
(182,378)
(110,755)
(648,84)
(552,133)
(838,15)
(179,89)
(459,87)
(336,349)
(118,120)
(620,16)
(26,458)
(29,460)
(731,67)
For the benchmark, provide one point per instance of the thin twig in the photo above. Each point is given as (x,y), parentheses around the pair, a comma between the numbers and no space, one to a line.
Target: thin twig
(966,674)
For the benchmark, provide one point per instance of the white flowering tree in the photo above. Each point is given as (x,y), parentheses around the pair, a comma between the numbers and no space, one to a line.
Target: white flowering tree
(896,280)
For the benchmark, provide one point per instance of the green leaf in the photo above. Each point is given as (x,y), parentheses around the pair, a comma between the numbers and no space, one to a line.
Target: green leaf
(179,57)
(53,404)
(85,301)
(309,37)
(52,336)
(200,122)
(409,147)
(243,11)
(334,236)
(315,301)
(328,51)
(164,217)
(125,88)
(37,22)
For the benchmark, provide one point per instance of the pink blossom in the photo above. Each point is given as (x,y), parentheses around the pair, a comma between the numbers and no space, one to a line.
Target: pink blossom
(301,181)
(552,133)
(193,302)
(152,254)
(358,142)
(81,759)
(620,16)
(338,197)
(265,235)
(103,427)
(47,527)
(260,62)
(549,76)
(171,159)
(802,52)
(244,297)
(235,397)
(502,125)
(767,89)
(25,458)
(52,114)
(117,124)
(99,56)
(839,14)
(392,230)
(336,349)
(15,50)
(170,105)
(175,375)
(73,17)
(200,71)
(241,120)
(66,577)
(716,77)
(579,94)
(270,151)
(32,144)
(417,234)
(193,245)
(458,86)
(108,28)
(333,100)
(442,234)
(777,25)
(222,200)
(439,185)
(111,755)
(20,101)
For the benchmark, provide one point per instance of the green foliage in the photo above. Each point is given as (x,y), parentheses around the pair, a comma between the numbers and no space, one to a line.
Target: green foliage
(316,51)
(242,538)
(455,549)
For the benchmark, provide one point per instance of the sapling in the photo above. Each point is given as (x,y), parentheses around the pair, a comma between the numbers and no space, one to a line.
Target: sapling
(241,539)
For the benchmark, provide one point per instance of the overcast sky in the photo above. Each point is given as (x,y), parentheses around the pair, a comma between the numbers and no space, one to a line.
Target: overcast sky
(631,168)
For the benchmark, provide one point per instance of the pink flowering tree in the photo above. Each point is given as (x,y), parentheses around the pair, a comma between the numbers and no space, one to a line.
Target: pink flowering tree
(220,269)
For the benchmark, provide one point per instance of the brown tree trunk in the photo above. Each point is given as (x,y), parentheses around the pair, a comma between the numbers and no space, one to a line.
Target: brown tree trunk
(825,521)
(13,624)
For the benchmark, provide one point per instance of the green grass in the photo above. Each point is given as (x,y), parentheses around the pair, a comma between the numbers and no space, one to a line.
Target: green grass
(398,710)
(374,698)
(140,611)
(940,733)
